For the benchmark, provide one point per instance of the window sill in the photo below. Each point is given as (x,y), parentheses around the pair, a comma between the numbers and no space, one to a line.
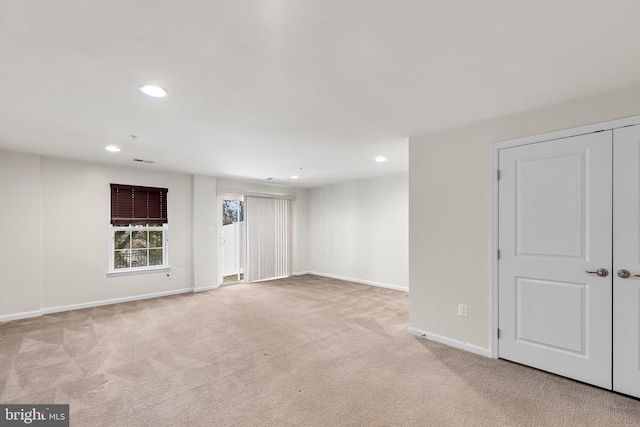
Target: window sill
(136,271)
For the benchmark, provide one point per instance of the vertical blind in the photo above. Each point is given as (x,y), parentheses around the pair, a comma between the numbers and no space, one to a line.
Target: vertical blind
(132,204)
(268,237)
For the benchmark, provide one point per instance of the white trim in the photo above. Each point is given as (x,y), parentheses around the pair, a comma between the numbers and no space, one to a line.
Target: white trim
(36,313)
(566,133)
(114,301)
(124,271)
(138,270)
(221,191)
(266,280)
(494,243)
(300,273)
(494,152)
(205,288)
(18,316)
(220,236)
(364,282)
(472,348)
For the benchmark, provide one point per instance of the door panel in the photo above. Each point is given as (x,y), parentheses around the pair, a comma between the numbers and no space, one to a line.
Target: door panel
(559,326)
(626,238)
(555,224)
(556,232)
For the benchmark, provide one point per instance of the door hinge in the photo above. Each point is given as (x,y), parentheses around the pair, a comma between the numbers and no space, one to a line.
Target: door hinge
(498,253)
(498,174)
(498,332)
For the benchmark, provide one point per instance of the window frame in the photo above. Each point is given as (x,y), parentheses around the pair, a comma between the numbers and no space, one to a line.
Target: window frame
(142,269)
(137,208)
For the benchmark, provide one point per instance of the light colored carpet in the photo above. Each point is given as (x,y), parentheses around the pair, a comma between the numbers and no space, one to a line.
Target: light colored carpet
(305,351)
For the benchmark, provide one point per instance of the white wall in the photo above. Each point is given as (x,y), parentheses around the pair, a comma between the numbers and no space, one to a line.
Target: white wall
(449,211)
(75,232)
(55,251)
(205,233)
(56,255)
(20,255)
(359,230)
(301,231)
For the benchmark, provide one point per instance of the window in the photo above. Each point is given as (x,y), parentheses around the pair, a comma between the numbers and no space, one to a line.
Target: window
(138,228)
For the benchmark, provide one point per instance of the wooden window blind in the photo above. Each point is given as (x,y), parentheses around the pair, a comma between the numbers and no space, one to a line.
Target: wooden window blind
(132,204)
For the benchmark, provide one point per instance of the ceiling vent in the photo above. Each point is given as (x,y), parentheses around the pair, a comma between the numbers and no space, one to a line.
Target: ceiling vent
(144,161)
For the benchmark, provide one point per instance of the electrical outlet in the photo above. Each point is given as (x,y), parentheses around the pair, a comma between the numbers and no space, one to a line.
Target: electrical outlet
(462,310)
(405,271)
(180,272)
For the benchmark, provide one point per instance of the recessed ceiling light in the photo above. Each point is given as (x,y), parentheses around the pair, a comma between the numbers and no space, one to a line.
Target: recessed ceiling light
(381,159)
(112,148)
(294,176)
(153,90)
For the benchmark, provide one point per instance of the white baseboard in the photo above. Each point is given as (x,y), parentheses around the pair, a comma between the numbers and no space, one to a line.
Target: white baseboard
(49,310)
(18,316)
(300,273)
(205,288)
(269,279)
(472,348)
(364,282)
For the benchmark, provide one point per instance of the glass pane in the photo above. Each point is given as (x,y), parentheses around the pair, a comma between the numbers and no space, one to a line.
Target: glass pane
(232,211)
(139,239)
(121,259)
(139,258)
(155,239)
(240,213)
(122,239)
(155,256)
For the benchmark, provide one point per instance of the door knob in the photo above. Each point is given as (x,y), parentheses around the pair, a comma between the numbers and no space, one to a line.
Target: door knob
(601,272)
(625,274)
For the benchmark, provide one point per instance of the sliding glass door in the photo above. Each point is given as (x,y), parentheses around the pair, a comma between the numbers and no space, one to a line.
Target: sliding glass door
(254,238)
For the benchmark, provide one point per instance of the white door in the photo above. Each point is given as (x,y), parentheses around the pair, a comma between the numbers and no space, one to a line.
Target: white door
(626,239)
(555,223)
(231,244)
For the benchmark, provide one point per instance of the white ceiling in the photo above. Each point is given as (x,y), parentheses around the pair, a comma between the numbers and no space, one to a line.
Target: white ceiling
(262,88)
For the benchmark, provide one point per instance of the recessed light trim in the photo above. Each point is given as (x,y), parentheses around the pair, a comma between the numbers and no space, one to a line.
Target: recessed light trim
(153,90)
(112,148)
(381,159)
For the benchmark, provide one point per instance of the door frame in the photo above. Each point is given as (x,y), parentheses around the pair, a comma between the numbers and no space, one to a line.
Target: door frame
(494,152)
(220,197)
